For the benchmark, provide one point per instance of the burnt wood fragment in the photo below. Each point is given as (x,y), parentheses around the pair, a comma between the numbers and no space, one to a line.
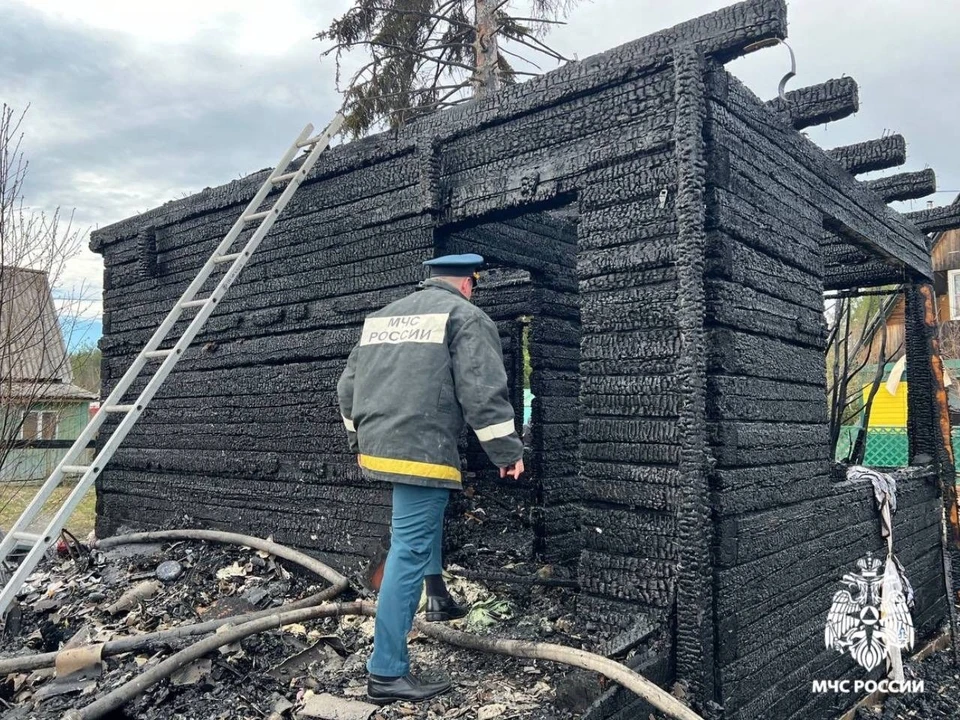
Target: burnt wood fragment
(833,100)
(904,186)
(879,154)
(147,252)
(938,219)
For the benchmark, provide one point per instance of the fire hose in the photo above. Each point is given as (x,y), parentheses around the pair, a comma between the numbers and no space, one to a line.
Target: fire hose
(262,621)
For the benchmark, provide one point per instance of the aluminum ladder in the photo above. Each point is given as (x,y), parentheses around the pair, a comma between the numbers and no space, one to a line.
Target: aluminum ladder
(17,536)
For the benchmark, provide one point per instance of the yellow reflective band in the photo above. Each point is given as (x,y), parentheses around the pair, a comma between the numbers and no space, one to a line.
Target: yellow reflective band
(410,467)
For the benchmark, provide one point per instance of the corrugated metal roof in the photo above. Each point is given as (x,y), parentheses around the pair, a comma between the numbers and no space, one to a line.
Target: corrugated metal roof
(44,392)
(31,343)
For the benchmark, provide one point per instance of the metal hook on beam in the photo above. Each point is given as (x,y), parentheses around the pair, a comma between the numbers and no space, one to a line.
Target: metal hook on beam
(770,42)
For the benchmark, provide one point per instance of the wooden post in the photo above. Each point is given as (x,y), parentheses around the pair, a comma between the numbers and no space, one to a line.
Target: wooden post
(928,418)
(696,631)
(928,422)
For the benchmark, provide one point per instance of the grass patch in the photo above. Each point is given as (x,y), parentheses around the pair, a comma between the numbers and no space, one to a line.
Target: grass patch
(15,496)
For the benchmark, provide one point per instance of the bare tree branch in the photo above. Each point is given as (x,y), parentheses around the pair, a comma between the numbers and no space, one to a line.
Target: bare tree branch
(32,346)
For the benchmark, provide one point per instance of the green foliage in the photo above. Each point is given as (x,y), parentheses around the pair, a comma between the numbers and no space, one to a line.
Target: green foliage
(85,363)
(489,612)
(424,54)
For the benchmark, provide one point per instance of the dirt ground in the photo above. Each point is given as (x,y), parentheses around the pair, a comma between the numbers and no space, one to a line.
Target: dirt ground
(15,496)
(285,669)
(296,670)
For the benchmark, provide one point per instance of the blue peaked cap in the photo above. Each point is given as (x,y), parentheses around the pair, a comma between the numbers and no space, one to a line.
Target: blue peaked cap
(454,265)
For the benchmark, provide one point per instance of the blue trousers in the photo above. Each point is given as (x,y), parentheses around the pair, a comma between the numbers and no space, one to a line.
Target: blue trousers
(415,551)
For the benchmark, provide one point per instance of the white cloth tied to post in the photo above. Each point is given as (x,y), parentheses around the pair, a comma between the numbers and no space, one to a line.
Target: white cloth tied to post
(896,593)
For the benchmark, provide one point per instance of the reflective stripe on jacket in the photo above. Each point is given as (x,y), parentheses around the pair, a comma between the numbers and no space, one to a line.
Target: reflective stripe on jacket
(424,365)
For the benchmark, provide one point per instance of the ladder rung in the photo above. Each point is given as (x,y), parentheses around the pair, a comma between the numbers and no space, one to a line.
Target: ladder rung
(158,353)
(26,537)
(194,303)
(119,408)
(256,216)
(312,141)
(227,258)
(75,469)
(279,179)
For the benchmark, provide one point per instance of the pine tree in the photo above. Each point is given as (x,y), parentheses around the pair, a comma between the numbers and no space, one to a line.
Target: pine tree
(428,54)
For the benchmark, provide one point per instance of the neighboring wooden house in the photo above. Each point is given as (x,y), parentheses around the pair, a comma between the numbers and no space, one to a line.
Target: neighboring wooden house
(41,405)
(889,409)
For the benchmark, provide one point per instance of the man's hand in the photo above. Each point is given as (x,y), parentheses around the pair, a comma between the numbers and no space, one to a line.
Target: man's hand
(514,470)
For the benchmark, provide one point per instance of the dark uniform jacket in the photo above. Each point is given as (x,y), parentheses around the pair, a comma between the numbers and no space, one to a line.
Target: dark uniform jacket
(424,364)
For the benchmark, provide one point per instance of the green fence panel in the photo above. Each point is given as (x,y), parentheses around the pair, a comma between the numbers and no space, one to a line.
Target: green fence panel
(887,446)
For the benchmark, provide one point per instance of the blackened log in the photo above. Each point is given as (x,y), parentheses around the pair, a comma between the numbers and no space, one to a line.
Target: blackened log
(833,100)
(928,418)
(737,306)
(783,695)
(754,399)
(870,273)
(625,224)
(938,219)
(747,353)
(739,263)
(695,637)
(746,537)
(763,229)
(878,154)
(792,585)
(574,121)
(658,253)
(724,34)
(756,443)
(904,186)
(147,252)
(796,162)
(779,659)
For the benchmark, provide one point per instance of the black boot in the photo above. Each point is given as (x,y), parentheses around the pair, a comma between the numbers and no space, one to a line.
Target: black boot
(383,690)
(441,608)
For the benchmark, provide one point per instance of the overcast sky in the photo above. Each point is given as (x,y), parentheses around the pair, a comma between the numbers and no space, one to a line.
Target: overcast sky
(135,103)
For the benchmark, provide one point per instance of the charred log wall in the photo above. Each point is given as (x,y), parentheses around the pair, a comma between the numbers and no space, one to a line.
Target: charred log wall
(787,530)
(245,434)
(629,395)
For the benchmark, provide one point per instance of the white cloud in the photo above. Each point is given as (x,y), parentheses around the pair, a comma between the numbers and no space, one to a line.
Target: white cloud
(246,27)
(135,103)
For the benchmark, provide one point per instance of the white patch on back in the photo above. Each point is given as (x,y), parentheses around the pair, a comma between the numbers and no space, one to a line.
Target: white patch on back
(428,328)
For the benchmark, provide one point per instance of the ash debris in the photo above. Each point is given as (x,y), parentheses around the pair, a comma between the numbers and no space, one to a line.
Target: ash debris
(315,669)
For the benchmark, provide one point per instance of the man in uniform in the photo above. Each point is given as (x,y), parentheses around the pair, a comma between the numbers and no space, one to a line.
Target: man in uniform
(424,365)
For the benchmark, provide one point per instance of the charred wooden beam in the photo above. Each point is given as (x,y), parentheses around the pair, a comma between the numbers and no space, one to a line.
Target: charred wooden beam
(938,219)
(928,420)
(904,186)
(833,100)
(872,273)
(147,252)
(695,634)
(878,154)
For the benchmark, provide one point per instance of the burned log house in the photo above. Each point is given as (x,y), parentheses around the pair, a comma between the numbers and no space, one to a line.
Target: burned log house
(662,240)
